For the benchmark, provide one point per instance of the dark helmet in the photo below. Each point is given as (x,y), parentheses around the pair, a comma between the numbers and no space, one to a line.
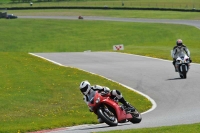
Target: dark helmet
(179,42)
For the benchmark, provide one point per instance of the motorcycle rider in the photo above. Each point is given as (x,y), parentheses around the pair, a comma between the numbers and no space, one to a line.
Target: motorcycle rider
(179,48)
(86,89)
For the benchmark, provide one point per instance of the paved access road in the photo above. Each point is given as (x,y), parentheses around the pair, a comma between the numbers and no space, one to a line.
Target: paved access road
(177,100)
(195,23)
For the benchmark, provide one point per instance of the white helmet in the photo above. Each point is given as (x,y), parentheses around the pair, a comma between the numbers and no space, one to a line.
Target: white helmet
(85,87)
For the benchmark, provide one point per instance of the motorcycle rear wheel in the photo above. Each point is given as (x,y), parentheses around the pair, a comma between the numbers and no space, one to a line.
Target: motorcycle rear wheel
(137,118)
(106,118)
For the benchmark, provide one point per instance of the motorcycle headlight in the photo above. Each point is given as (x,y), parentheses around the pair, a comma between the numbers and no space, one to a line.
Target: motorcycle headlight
(98,100)
(179,61)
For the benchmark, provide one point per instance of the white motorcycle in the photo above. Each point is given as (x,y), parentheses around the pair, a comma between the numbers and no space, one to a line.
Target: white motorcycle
(182,64)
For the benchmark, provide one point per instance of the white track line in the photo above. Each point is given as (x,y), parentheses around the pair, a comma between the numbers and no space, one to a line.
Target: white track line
(154,105)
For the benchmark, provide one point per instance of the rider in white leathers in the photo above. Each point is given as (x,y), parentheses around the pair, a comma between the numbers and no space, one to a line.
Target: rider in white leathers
(86,89)
(178,49)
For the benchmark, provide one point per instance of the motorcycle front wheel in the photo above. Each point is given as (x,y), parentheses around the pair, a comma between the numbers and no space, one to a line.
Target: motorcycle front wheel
(183,72)
(107,116)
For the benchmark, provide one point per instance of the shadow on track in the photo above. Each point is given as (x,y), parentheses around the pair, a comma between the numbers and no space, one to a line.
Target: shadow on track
(96,127)
(175,79)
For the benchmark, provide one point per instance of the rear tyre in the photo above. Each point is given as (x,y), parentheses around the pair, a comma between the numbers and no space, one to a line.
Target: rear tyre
(107,116)
(137,118)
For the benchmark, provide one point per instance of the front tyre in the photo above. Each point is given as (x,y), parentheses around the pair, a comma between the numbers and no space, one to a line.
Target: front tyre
(183,72)
(107,116)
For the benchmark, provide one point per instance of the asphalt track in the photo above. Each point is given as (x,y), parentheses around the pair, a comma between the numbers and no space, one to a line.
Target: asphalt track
(177,100)
(195,23)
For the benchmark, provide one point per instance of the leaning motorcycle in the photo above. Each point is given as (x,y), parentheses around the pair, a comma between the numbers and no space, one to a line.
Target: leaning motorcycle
(110,111)
(182,65)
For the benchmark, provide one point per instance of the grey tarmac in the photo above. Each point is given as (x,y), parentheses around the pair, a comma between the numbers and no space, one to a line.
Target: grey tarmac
(177,99)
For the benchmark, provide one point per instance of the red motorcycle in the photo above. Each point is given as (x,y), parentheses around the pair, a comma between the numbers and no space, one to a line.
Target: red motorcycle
(110,111)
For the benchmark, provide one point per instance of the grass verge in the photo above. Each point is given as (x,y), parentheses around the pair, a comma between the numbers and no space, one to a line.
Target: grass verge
(192,128)
(109,13)
(182,4)
(39,95)
(155,40)
(36,94)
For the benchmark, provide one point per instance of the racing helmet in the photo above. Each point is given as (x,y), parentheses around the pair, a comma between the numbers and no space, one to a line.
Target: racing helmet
(85,87)
(179,42)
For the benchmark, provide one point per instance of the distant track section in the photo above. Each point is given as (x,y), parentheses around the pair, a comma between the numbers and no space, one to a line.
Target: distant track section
(103,8)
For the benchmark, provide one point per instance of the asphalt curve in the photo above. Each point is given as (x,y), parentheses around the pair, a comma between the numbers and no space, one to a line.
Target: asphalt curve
(177,99)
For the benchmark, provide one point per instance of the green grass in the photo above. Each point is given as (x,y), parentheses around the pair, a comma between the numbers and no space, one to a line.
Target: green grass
(189,128)
(109,13)
(36,94)
(154,40)
(184,4)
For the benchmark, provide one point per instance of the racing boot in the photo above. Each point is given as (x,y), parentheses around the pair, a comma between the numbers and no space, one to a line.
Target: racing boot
(131,109)
(176,69)
(128,107)
(100,120)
